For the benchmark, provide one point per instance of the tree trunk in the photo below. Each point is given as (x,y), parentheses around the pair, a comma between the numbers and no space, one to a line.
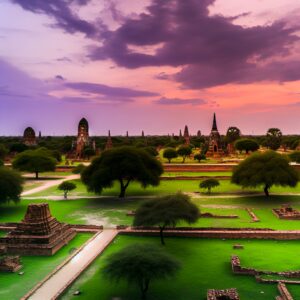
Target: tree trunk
(209,190)
(266,190)
(169,160)
(123,187)
(36,175)
(65,194)
(144,288)
(183,159)
(161,229)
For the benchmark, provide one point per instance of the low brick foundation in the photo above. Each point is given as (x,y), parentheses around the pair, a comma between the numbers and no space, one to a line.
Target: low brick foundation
(252,215)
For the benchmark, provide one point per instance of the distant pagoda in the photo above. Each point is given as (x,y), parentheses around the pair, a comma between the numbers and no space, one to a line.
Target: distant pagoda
(186,135)
(29,137)
(38,233)
(214,144)
(109,143)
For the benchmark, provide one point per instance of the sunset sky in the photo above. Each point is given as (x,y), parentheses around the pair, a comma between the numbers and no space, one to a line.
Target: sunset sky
(152,65)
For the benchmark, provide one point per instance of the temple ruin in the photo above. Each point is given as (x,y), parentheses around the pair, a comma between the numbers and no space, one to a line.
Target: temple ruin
(229,294)
(286,212)
(38,233)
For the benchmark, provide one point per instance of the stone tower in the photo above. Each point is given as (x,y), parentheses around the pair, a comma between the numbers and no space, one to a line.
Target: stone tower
(83,139)
(186,135)
(29,138)
(109,143)
(214,146)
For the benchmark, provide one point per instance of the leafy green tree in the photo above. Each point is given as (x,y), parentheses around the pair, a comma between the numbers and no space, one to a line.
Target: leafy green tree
(10,185)
(184,151)
(209,184)
(88,152)
(273,138)
(67,186)
(35,161)
(3,152)
(56,154)
(246,145)
(151,150)
(199,157)
(123,164)
(265,169)
(166,211)
(169,154)
(18,148)
(140,264)
(233,134)
(295,156)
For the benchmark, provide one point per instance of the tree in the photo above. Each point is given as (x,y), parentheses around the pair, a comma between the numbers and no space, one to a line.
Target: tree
(123,164)
(166,211)
(246,145)
(3,152)
(151,150)
(88,152)
(199,157)
(295,156)
(18,148)
(67,186)
(273,138)
(169,154)
(10,185)
(139,264)
(78,169)
(36,161)
(209,184)
(265,169)
(184,151)
(233,134)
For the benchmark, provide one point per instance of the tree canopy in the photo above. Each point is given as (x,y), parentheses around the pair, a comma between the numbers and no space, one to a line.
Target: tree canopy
(10,185)
(3,152)
(169,154)
(295,156)
(199,157)
(265,169)
(246,145)
(139,264)
(184,151)
(273,138)
(67,186)
(209,184)
(166,211)
(123,164)
(232,134)
(35,161)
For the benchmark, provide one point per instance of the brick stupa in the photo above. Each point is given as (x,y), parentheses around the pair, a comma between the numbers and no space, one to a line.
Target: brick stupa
(38,234)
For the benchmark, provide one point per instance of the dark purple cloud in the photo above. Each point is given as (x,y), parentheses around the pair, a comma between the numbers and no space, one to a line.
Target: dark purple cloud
(178,101)
(105,90)
(211,49)
(59,77)
(62,12)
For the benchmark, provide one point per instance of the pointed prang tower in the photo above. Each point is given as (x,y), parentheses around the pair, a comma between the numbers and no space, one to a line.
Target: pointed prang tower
(186,135)
(214,146)
(109,143)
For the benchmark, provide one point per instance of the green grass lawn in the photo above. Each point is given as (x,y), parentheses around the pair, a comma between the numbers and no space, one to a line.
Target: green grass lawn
(168,187)
(205,264)
(193,174)
(35,268)
(112,211)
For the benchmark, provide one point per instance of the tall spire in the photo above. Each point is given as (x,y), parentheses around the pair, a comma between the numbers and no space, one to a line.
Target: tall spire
(214,127)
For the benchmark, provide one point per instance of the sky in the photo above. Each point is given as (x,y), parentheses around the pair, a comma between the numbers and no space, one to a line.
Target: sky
(151,65)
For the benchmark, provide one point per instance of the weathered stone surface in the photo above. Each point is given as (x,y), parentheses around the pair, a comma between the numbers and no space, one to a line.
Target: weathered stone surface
(286,212)
(10,264)
(228,294)
(38,234)
(284,293)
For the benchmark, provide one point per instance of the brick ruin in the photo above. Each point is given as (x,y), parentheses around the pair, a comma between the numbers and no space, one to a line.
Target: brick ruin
(252,215)
(287,276)
(284,293)
(286,212)
(10,264)
(229,294)
(38,233)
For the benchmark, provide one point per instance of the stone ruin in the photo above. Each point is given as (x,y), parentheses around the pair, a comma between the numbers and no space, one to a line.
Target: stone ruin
(286,212)
(284,292)
(38,233)
(10,264)
(229,294)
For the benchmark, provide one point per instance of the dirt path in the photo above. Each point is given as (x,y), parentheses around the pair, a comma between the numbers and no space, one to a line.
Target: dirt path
(49,183)
(61,279)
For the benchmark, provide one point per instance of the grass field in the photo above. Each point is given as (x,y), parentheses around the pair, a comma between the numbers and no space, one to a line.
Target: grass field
(35,268)
(168,187)
(205,264)
(112,211)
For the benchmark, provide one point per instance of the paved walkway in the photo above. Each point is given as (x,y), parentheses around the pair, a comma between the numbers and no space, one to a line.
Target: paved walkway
(49,183)
(56,284)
